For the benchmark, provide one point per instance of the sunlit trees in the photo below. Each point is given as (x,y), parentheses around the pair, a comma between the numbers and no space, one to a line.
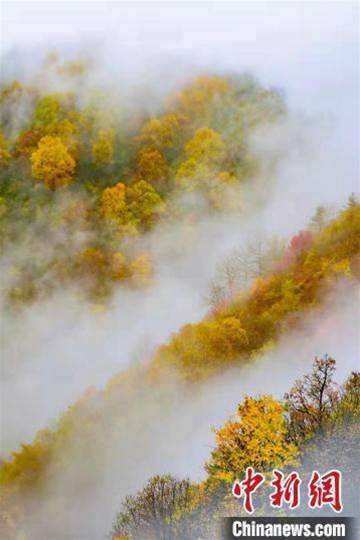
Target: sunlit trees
(52,163)
(199,350)
(257,436)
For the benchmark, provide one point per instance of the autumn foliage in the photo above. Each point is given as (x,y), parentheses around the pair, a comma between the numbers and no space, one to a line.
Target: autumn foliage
(52,163)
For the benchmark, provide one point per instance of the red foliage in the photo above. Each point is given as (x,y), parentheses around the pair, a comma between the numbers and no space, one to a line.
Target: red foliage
(299,243)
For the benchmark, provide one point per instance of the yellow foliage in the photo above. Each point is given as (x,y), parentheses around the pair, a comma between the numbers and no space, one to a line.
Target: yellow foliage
(27,466)
(204,152)
(151,164)
(196,98)
(205,146)
(103,147)
(256,437)
(141,271)
(113,202)
(131,207)
(341,268)
(5,155)
(119,268)
(161,131)
(222,339)
(52,162)
(200,349)
(144,204)
(94,260)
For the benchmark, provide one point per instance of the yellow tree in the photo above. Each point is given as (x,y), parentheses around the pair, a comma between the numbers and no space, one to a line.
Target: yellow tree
(204,153)
(5,155)
(162,131)
(132,207)
(151,164)
(257,436)
(195,100)
(144,204)
(103,147)
(113,205)
(52,162)
(206,146)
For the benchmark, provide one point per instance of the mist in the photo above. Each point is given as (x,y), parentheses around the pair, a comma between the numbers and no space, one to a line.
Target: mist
(57,348)
(169,429)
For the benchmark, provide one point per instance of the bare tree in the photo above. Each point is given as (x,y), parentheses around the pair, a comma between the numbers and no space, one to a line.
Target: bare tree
(312,399)
(234,274)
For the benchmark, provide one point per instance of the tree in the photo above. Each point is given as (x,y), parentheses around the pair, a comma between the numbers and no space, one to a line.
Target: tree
(144,204)
(204,153)
(161,132)
(352,202)
(258,257)
(52,162)
(113,205)
(151,165)
(348,407)
(205,147)
(257,436)
(5,155)
(103,147)
(47,113)
(27,142)
(196,99)
(320,219)
(337,445)
(299,244)
(131,207)
(312,399)
(153,512)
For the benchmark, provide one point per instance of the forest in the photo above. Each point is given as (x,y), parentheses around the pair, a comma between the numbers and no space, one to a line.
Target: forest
(88,181)
(94,193)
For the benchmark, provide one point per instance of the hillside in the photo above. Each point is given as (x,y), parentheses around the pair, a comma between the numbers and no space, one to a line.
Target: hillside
(85,175)
(156,388)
